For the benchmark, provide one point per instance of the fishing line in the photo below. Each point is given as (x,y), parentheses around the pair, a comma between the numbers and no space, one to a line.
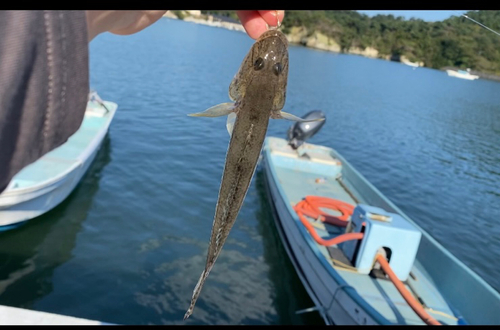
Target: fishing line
(482,25)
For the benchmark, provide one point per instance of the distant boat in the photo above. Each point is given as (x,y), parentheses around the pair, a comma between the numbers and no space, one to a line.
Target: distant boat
(360,258)
(412,64)
(462,74)
(44,184)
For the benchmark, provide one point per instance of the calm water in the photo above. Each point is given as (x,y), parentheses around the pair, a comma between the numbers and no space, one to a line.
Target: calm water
(130,243)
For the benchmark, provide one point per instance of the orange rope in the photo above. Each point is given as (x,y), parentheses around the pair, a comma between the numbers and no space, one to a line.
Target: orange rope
(414,304)
(310,206)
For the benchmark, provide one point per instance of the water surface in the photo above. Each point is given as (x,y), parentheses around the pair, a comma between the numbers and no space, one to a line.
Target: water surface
(129,244)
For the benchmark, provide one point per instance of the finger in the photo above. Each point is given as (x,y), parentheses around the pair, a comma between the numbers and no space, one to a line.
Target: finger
(253,23)
(256,22)
(272,17)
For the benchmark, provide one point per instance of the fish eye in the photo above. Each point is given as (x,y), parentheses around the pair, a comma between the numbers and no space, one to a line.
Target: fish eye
(258,64)
(277,69)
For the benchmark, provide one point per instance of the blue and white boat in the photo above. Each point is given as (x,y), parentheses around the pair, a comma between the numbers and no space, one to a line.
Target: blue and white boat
(462,74)
(349,280)
(44,184)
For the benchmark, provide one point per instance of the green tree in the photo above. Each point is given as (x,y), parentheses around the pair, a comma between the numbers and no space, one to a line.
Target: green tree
(455,41)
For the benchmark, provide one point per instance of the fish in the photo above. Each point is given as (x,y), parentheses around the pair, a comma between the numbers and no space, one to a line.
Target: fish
(257,92)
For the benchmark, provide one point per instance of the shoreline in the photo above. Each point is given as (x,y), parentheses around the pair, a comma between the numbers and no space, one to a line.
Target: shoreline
(316,41)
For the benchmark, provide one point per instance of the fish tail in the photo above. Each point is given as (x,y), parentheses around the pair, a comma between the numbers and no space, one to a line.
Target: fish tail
(196,292)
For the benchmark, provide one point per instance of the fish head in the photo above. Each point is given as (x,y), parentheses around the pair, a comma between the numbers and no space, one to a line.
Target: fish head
(264,69)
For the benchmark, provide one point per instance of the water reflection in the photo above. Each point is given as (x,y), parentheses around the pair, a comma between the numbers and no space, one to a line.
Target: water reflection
(29,254)
(221,302)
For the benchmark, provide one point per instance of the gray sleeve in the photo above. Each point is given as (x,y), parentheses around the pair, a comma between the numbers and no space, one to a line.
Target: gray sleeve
(44,83)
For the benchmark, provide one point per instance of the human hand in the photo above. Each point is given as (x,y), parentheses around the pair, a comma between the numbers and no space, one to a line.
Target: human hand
(256,22)
(125,22)
(121,22)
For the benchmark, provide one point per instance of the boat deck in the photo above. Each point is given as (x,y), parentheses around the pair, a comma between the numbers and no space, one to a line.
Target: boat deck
(317,173)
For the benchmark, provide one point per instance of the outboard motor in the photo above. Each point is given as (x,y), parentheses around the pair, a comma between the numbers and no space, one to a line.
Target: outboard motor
(299,132)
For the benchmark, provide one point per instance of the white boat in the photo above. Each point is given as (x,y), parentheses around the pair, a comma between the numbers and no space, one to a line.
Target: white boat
(462,74)
(412,64)
(44,184)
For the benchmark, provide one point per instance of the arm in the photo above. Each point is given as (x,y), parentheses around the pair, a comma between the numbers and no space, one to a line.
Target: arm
(125,22)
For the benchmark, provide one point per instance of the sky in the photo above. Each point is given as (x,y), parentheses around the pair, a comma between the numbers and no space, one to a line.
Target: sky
(426,15)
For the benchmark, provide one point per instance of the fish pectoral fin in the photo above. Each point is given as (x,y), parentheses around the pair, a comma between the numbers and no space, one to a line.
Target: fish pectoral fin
(218,110)
(289,116)
(231,118)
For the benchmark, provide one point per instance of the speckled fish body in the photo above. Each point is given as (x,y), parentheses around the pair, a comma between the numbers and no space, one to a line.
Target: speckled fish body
(258,91)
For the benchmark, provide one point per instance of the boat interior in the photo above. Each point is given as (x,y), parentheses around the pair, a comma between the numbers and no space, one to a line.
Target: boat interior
(314,170)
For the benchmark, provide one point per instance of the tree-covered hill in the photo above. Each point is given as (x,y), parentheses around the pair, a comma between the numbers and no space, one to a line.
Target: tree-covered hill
(454,42)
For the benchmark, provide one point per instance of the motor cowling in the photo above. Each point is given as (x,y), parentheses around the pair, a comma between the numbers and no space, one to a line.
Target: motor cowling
(299,132)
